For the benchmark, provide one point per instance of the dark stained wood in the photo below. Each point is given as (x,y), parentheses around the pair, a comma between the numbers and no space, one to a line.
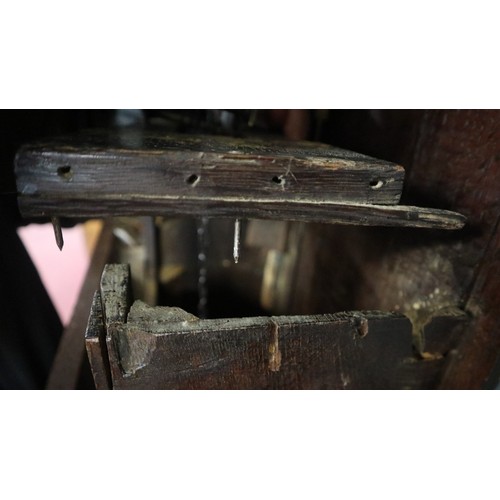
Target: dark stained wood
(452,162)
(358,350)
(441,332)
(457,160)
(116,296)
(141,174)
(95,343)
(71,351)
(479,351)
(168,348)
(329,213)
(138,164)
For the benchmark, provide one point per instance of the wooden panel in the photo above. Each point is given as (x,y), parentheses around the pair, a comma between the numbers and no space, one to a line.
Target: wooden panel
(452,162)
(329,213)
(166,347)
(473,362)
(350,350)
(116,295)
(136,173)
(463,150)
(95,343)
(139,165)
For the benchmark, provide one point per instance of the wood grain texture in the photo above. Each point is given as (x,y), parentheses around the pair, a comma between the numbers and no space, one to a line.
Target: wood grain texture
(457,160)
(136,173)
(311,211)
(474,359)
(139,174)
(168,348)
(463,147)
(116,297)
(358,350)
(452,162)
(137,163)
(95,343)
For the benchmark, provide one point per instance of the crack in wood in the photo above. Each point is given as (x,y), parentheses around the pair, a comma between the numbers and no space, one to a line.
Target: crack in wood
(274,348)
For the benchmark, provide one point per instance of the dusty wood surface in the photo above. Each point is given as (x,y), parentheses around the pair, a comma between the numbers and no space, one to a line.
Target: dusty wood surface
(116,296)
(457,160)
(475,357)
(452,162)
(329,213)
(168,348)
(139,174)
(71,351)
(95,343)
(358,350)
(440,332)
(135,164)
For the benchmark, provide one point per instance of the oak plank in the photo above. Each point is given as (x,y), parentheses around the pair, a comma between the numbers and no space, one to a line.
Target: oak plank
(95,343)
(140,173)
(133,164)
(329,213)
(167,348)
(116,297)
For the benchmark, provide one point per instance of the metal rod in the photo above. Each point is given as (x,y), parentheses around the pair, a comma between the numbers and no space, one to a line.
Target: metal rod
(236,247)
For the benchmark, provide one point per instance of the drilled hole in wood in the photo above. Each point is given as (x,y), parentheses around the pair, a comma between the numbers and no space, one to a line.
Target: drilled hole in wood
(376,184)
(193,179)
(65,172)
(277,180)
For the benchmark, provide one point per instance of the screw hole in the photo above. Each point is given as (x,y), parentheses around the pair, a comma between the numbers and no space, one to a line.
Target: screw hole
(65,172)
(277,180)
(193,179)
(376,184)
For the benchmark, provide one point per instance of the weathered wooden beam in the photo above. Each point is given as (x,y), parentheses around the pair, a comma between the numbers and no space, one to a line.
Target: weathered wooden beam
(116,297)
(329,213)
(162,349)
(167,348)
(139,164)
(98,175)
(95,343)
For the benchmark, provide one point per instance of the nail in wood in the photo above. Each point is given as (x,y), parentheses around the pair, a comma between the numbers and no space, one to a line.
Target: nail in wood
(236,247)
(56,224)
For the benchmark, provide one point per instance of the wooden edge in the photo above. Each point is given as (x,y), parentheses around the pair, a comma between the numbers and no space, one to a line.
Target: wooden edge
(267,352)
(234,207)
(95,343)
(116,298)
